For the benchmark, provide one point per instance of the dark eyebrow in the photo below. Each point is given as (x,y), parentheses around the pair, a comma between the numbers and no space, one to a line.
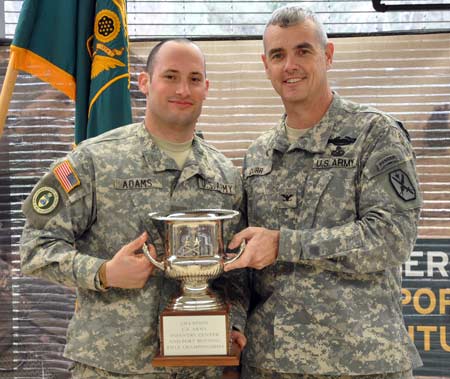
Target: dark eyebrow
(304,45)
(170,71)
(273,51)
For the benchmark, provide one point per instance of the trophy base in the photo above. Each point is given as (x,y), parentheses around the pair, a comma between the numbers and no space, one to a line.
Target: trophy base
(196,338)
(199,361)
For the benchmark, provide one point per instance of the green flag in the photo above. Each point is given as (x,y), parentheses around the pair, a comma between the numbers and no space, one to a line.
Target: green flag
(81,48)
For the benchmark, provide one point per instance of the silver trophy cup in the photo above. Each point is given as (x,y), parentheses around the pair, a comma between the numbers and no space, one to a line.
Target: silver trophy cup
(194,254)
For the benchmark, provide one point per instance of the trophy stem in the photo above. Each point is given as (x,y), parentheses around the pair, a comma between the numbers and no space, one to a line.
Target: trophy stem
(196,297)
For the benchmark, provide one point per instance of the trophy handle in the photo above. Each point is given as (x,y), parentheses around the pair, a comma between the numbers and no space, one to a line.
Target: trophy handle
(238,255)
(158,264)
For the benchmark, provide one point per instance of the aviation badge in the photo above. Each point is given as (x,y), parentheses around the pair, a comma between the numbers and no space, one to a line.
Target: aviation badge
(339,142)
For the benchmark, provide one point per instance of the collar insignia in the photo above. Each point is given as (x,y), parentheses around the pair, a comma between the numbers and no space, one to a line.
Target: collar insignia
(286,199)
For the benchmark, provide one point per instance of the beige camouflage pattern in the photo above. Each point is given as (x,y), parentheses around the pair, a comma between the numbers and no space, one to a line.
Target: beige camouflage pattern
(345,197)
(80,371)
(124,176)
(257,373)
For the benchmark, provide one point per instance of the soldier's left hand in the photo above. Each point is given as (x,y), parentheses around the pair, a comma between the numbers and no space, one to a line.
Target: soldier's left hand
(261,250)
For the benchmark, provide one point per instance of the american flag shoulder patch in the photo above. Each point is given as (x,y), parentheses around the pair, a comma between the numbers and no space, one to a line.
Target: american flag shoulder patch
(66,176)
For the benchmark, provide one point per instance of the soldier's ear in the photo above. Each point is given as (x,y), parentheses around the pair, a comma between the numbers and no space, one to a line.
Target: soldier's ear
(266,68)
(144,82)
(329,52)
(206,89)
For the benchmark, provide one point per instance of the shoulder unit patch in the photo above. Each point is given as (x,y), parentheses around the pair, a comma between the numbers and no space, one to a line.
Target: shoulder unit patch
(45,200)
(402,185)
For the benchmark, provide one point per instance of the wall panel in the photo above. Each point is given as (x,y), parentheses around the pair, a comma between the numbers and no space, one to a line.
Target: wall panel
(408,76)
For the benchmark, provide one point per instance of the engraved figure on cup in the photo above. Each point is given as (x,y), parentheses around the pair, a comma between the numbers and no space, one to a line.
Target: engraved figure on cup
(194,241)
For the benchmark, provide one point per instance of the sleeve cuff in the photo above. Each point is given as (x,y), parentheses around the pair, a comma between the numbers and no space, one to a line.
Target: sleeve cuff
(100,279)
(238,318)
(86,271)
(289,246)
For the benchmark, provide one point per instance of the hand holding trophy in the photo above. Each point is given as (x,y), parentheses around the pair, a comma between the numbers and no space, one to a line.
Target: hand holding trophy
(194,327)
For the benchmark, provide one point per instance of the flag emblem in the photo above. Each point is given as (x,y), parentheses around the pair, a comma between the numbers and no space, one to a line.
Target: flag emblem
(90,64)
(107,26)
(66,176)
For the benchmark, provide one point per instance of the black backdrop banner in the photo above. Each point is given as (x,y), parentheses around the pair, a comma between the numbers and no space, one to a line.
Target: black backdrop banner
(426,304)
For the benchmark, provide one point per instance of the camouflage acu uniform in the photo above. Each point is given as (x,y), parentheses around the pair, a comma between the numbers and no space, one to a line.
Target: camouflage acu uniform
(259,373)
(123,177)
(345,198)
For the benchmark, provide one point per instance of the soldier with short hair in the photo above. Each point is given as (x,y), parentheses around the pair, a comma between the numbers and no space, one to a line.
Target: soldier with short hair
(82,215)
(333,208)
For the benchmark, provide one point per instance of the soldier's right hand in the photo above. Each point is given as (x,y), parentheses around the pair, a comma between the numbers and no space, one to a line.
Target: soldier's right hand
(129,267)
(261,250)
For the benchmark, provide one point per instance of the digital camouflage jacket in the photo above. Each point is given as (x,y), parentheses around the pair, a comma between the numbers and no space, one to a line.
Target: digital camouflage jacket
(345,197)
(98,199)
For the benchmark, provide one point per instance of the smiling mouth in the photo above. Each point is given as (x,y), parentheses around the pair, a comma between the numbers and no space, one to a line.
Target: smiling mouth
(293,80)
(183,103)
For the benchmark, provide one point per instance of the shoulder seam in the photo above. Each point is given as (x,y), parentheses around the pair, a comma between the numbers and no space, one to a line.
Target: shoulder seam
(103,139)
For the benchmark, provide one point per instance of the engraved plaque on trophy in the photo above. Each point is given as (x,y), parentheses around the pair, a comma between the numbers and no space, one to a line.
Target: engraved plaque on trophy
(195,327)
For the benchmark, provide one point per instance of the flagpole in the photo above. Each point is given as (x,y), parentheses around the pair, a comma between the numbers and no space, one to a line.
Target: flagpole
(7,91)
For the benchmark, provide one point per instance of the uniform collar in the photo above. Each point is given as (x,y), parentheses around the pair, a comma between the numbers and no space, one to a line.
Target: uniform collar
(199,163)
(196,163)
(316,138)
(280,141)
(155,158)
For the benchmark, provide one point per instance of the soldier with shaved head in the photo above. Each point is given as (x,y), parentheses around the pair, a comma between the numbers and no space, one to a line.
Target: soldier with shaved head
(88,218)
